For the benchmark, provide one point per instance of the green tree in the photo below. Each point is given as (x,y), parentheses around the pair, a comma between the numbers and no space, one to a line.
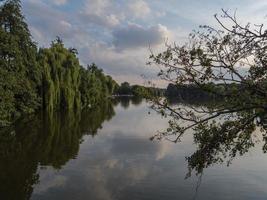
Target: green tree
(19,71)
(111,85)
(95,86)
(234,57)
(60,77)
(125,89)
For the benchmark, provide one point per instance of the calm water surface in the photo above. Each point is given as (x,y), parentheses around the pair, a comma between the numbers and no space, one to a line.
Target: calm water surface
(107,155)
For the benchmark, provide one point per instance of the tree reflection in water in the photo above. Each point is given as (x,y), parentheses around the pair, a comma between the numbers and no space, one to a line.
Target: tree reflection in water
(125,101)
(44,140)
(52,140)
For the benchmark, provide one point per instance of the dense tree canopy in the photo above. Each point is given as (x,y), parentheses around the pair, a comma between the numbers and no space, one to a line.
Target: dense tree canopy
(19,72)
(60,77)
(95,86)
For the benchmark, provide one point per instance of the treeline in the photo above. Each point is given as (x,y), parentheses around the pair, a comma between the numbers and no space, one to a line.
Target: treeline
(187,92)
(137,90)
(48,78)
(207,92)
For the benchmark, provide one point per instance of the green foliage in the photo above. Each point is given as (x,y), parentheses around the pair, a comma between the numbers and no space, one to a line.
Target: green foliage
(217,143)
(125,89)
(61,77)
(139,91)
(95,86)
(112,85)
(229,63)
(19,70)
(50,79)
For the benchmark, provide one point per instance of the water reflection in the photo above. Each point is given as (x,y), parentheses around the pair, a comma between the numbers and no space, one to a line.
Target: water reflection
(45,140)
(100,155)
(125,101)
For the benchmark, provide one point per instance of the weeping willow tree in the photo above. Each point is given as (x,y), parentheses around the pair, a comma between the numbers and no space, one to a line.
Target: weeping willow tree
(66,84)
(61,77)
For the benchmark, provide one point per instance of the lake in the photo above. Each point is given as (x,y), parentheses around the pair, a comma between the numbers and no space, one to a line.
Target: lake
(106,154)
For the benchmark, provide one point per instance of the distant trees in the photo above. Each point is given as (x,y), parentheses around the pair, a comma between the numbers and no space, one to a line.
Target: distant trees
(138,90)
(48,78)
(124,89)
(187,93)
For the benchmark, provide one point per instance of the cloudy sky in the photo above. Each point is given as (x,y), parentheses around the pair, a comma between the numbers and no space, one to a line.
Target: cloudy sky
(116,34)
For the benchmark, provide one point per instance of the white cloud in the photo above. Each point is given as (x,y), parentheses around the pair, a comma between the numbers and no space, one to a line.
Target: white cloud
(96,7)
(59,2)
(99,12)
(139,8)
(49,180)
(64,25)
(107,21)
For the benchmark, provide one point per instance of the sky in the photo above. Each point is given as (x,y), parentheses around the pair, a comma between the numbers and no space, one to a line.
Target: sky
(117,35)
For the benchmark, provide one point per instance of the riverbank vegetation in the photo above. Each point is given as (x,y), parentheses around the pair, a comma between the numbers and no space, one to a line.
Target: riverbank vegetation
(125,89)
(48,79)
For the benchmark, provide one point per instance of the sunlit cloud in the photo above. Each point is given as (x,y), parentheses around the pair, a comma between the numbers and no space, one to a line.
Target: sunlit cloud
(139,8)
